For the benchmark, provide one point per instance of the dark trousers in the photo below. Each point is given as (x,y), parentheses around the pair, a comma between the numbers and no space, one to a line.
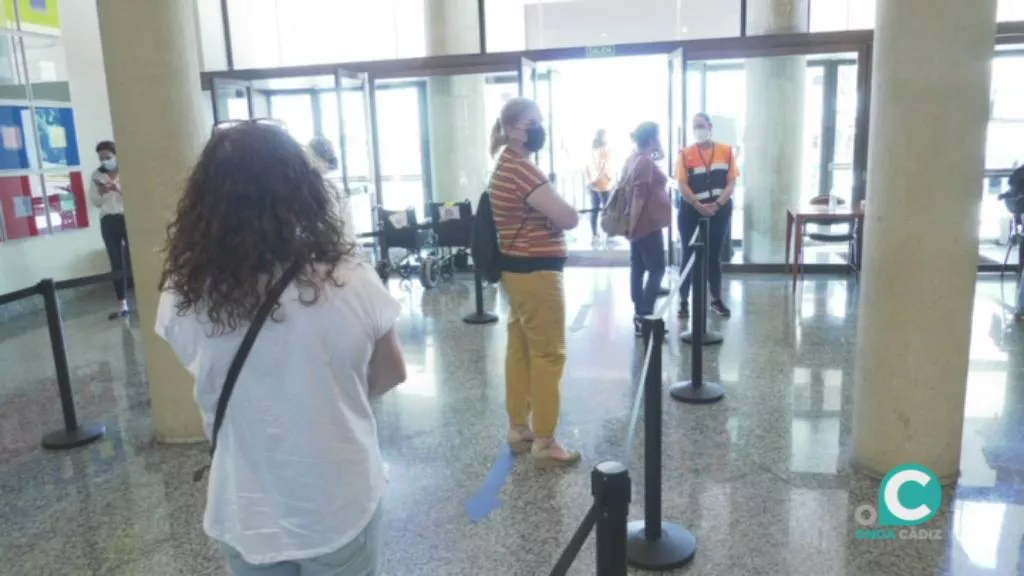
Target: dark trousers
(597,201)
(646,257)
(115,237)
(718,228)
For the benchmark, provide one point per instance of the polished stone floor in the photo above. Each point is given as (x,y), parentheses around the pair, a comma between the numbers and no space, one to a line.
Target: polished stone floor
(761,478)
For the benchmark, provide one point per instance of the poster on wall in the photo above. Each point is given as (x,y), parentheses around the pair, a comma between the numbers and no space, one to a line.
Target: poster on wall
(42,16)
(58,141)
(14,139)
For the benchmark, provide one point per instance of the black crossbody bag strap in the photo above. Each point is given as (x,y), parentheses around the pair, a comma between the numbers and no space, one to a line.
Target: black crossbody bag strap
(264,311)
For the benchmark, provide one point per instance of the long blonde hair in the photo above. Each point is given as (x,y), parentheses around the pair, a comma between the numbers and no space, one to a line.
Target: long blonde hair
(511,113)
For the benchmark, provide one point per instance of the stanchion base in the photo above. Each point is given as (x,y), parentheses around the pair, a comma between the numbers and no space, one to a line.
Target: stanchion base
(64,439)
(480,318)
(710,338)
(674,549)
(706,393)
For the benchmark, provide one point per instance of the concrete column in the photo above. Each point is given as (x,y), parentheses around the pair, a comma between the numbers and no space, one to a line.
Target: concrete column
(929,113)
(158,125)
(459,131)
(773,143)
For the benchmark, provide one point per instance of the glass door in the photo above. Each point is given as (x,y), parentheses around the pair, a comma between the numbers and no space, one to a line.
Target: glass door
(357,147)
(232,100)
(676,137)
(527,79)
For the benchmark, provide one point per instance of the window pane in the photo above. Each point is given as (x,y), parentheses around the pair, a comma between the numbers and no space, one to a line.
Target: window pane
(270,33)
(12,69)
(23,206)
(47,69)
(357,141)
(296,111)
(213,52)
(603,22)
(398,127)
(1010,10)
(833,15)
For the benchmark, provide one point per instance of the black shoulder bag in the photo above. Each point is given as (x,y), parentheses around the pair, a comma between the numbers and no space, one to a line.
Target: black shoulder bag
(264,311)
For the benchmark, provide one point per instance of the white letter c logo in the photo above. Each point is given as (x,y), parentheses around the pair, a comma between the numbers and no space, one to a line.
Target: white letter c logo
(892,495)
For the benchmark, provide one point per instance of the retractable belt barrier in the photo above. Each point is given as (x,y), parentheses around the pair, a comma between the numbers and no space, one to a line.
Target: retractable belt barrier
(74,433)
(651,543)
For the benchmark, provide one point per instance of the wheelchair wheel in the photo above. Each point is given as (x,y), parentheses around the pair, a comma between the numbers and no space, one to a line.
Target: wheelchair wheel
(405,271)
(447,269)
(430,272)
(384,270)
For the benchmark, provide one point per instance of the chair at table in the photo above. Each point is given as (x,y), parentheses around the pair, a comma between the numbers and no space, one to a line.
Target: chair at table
(826,231)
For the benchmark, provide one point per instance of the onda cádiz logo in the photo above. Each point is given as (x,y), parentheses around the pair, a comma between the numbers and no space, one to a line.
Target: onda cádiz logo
(910,496)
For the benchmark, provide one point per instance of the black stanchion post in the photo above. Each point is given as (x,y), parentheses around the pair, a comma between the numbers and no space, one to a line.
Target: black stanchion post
(479,316)
(696,390)
(73,434)
(710,338)
(653,544)
(610,485)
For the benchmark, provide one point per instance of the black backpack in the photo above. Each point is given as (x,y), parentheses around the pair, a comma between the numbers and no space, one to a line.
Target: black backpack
(484,245)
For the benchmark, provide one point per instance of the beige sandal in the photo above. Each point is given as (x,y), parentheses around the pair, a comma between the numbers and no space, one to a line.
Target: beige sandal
(520,441)
(543,458)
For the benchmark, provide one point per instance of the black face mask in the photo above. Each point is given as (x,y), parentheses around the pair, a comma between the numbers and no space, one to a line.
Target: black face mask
(535,138)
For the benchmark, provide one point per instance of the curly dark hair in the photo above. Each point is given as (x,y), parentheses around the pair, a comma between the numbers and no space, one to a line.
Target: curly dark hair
(253,205)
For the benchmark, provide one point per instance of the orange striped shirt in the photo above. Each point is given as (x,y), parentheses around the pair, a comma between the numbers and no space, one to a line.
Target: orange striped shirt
(522,231)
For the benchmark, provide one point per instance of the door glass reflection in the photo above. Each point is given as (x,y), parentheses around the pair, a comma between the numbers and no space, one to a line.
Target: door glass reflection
(296,111)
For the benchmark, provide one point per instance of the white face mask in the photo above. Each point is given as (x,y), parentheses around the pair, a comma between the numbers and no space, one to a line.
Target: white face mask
(110,164)
(702,135)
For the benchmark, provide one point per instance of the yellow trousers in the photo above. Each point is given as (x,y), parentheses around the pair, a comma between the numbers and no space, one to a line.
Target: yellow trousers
(535,360)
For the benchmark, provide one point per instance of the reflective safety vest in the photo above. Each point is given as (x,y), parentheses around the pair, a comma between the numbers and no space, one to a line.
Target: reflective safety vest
(708,175)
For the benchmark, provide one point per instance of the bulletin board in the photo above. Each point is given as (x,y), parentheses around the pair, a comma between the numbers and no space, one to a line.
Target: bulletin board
(36,15)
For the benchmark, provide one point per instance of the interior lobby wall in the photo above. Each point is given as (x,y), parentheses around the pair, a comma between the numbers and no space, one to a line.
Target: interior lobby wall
(71,253)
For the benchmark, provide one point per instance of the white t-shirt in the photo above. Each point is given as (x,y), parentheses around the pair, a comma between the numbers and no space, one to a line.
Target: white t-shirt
(298,471)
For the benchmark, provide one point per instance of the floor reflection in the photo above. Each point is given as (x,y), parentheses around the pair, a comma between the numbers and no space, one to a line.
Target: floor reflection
(762,478)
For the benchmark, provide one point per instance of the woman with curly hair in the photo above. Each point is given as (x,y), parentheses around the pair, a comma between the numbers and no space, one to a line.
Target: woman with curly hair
(297,478)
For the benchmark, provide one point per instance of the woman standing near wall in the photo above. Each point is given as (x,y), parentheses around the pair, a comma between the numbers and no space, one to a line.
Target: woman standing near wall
(106,194)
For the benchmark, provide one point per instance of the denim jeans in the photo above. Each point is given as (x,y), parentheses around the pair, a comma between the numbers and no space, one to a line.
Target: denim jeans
(646,257)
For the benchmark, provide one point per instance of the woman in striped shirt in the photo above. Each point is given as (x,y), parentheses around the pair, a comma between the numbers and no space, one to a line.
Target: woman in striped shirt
(531,219)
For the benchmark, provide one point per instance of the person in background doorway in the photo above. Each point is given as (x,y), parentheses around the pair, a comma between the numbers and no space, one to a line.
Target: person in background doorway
(599,179)
(650,211)
(105,193)
(531,219)
(321,150)
(707,175)
(297,481)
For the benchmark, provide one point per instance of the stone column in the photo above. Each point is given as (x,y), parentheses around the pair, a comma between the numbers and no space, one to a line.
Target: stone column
(459,132)
(773,143)
(929,113)
(157,112)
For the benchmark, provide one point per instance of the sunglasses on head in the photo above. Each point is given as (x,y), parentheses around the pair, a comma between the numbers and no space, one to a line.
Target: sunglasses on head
(227,124)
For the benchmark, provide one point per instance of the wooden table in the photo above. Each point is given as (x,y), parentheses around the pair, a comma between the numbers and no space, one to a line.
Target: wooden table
(797,219)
